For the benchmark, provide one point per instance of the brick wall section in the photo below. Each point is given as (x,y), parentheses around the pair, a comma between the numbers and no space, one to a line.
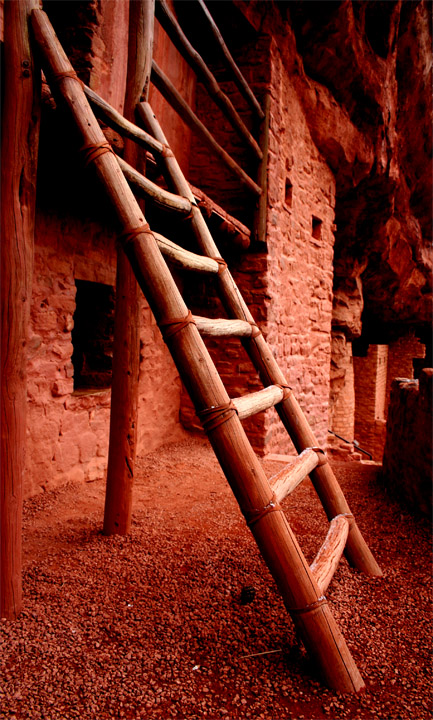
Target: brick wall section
(68,433)
(342,392)
(407,460)
(401,355)
(300,271)
(289,289)
(370,386)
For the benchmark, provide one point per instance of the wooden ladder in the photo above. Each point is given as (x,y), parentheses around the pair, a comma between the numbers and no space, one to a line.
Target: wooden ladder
(302,587)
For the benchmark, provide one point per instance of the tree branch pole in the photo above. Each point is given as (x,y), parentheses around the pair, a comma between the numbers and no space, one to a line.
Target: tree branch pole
(126,347)
(20,137)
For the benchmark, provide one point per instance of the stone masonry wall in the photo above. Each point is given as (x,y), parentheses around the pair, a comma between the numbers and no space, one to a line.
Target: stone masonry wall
(289,289)
(68,431)
(370,393)
(407,459)
(301,198)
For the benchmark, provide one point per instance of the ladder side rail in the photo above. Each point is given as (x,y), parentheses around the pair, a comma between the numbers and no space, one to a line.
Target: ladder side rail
(171,26)
(238,76)
(241,466)
(175,99)
(323,478)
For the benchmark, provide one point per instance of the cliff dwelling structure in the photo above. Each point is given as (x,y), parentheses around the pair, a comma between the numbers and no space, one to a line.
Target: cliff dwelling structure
(302,137)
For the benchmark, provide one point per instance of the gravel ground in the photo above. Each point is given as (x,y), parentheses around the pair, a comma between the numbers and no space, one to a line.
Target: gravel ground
(152,625)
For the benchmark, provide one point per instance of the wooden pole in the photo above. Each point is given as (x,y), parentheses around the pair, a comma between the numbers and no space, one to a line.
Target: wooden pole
(239,79)
(20,136)
(126,345)
(294,420)
(181,42)
(261,211)
(167,89)
(241,466)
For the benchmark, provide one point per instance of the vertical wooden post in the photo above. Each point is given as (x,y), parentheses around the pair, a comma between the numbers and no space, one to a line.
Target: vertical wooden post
(126,350)
(20,135)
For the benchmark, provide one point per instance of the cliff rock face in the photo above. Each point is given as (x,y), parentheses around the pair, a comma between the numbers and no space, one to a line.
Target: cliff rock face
(365,84)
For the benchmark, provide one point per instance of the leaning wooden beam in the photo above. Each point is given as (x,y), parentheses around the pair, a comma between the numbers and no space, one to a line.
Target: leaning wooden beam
(254,403)
(20,137)
(237,74)
(261,211)
(240,464)
(294,420)
(126,343)
(153,192)
(185,258)
(181,42)
(288,479)
(167,89)
(326,561)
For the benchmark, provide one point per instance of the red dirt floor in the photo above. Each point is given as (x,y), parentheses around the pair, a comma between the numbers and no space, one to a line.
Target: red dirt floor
(151,625)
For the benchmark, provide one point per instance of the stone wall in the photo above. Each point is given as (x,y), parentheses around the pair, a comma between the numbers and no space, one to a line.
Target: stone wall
(68,430)
(407,459)
(370,392)
(288,289)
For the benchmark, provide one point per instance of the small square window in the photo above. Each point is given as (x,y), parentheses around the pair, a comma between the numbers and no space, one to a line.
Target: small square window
(316,228)
(288,193)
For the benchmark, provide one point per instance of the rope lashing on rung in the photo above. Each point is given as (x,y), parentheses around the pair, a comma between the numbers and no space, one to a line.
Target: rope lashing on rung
(322,455)
(222,265)
(253,516)
(255,330)
(91,152)
(309,608)
(67,74)
(213,417)
(130,235)
(167,152)
(286,390)
(171,327)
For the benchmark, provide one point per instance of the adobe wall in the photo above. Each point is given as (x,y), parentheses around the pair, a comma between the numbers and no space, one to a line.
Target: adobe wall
(75,240)
(370,394)
(68,431)
(288,288)
(407,459)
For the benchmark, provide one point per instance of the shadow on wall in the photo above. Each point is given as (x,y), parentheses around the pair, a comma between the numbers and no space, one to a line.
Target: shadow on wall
(407,460)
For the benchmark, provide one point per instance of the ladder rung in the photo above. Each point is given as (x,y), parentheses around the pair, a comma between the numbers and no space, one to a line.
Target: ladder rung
(256,402)
(285,481)
(223,328)
(325,563)
(169,200)
(185,258)
(124,127)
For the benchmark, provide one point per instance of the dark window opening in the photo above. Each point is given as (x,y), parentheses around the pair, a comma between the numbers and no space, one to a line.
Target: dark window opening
(288,194)
(92,336)
(316,228)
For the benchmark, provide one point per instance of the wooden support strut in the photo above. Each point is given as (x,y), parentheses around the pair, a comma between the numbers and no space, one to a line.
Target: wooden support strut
(275,539)
(20,139)
(181,42)
(294,420)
